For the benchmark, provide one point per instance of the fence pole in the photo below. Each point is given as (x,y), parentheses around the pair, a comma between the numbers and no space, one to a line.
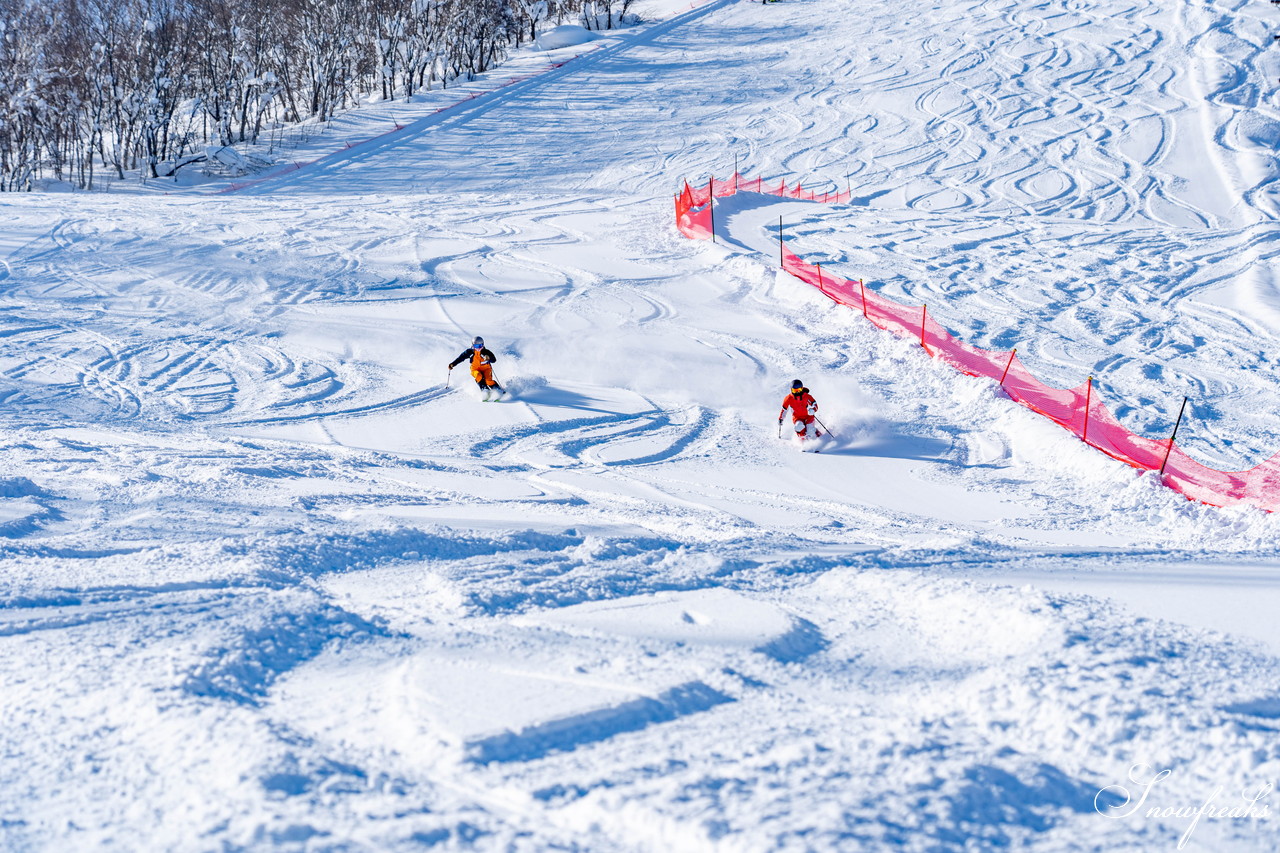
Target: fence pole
(781,260)
(1176,424)
(1007,366)
(820,287)
(924,312)
(1088,397)
(863,288)
(711,204)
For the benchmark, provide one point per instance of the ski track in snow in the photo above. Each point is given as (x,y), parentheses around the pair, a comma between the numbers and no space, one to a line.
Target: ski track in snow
(270,584)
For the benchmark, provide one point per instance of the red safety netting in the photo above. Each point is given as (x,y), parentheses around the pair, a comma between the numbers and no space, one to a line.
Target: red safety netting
(1080,410)
(693,213)
(693,219)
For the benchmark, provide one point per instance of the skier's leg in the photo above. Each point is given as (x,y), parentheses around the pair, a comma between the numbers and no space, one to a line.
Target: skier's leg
(486,377)
(479,378)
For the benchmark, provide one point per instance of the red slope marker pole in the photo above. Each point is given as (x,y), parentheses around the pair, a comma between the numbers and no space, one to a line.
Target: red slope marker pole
(1088,396)
(1176,424)
(924,312)
(1007,366)
(863,288)
(820,287)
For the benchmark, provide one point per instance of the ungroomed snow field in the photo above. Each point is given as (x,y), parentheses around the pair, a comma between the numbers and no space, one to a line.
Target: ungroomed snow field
(269,583)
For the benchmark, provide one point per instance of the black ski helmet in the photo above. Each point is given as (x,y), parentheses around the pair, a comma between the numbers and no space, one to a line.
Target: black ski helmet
(796,383)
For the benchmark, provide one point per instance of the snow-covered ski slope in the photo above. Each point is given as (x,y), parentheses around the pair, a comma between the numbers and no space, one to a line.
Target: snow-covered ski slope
(268,584)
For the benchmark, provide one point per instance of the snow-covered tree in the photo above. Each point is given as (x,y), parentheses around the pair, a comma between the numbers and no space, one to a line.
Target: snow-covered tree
(129,84)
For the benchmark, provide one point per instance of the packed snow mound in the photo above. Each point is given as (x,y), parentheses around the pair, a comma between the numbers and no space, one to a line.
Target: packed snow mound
(717,617)
(565,35)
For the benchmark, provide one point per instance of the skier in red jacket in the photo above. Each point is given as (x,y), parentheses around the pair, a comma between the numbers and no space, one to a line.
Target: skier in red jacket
(803,407)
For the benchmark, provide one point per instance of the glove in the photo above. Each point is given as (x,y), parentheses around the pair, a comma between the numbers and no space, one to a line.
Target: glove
(451,367)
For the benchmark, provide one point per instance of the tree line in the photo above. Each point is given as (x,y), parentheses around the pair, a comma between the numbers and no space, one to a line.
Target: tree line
(123,85)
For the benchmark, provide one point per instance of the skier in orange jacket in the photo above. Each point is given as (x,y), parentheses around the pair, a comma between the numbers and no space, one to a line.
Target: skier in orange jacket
(803,407)
(481,371)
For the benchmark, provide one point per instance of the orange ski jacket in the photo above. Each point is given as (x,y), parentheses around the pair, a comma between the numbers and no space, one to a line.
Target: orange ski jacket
(484,356)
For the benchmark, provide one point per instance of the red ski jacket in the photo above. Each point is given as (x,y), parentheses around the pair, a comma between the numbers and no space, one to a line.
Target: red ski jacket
(800,406)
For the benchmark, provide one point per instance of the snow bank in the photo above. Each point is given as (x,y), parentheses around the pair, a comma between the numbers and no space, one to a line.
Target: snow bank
(565,35)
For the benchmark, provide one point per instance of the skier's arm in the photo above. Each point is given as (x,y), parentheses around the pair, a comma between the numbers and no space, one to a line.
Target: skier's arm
(466,353)
(488,354)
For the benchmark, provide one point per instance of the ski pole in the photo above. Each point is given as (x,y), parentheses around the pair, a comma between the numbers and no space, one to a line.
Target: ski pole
(824,426)
(448,378)
(779,427)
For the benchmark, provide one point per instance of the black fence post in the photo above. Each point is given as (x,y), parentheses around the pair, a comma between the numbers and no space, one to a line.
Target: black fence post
(1176,424)
(711,204)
